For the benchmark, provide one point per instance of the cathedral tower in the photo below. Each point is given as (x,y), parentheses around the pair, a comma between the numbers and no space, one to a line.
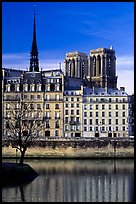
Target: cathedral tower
(102,68)
(34,61)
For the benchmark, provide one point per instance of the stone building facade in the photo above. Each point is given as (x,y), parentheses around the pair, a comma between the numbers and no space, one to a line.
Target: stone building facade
(105,113)
(84,101)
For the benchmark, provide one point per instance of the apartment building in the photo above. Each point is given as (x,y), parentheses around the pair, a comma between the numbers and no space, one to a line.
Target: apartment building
(105,113)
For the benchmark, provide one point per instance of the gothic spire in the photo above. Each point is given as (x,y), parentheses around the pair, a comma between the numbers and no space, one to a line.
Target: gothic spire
(34,61)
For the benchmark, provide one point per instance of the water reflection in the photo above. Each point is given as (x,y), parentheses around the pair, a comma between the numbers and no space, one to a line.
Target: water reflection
(76,181)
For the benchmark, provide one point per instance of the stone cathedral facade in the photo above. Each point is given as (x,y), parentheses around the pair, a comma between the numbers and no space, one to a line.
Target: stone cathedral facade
(83,101)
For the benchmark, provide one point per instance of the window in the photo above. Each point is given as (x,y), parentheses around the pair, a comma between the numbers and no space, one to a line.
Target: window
(85,114)
(116,100)
(116,107)
(66,99)
(72,127)
(96,114)
(91,129)
(85,128)
(57,124)
(103,128)
(47,106)
(57,97)
(123,100)
(66,127)
(103,106)
(123,107)
(38,106)
(109,107)
(48,87)
(7,115)
(123,114)
(16,105)
(31,106)
(7,106)
(116,128)
(85,121)
(77,105)
(77,99)
(123,128)
(96,121)
(47,97)
(32,97)
(8,87)
(66,119)
(77,112)
(96,107)
(33,87)
(57,88)
(85,107)
(39,87)
(90,121)
(109,121)
(47,115)
(66,112)
(72,112)
(72,99)
(103,121)
(56,106)
(91,107)
(90,114)
(109,128)
(47,124)
(77,127)
(72,105)
(103,114)
(38,96)
(57,115)
(7,124)
(26,87)
(123,121)
(116,121)
(25,96)
(17,87)
(77,119)
(52,87)
(116,114)
(66,105)
(109,100)
(109,114)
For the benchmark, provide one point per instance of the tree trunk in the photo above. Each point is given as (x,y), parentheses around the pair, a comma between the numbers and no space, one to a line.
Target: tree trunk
(22,157)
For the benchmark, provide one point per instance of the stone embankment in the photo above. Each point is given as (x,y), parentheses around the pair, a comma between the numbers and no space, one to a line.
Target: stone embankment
(95,148)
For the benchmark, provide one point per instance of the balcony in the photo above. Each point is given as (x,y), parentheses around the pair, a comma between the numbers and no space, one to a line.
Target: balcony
(73,123)
(53,99)
(46,117)
(57,118)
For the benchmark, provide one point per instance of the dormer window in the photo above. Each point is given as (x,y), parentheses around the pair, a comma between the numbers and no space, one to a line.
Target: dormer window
(33,87)
(8,87)
(39,87)
(26,87)
(17,87)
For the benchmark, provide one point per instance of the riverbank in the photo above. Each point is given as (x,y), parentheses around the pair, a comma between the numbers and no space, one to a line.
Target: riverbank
(14,173)
(75,149)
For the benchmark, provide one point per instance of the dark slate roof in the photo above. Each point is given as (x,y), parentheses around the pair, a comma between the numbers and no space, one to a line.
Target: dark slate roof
(12,73)
(72,83)
(32,77)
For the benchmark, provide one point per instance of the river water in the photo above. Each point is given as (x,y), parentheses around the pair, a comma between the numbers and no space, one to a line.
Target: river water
(76,181)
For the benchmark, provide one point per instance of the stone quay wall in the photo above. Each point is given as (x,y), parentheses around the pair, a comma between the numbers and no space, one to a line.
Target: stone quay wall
(68,148)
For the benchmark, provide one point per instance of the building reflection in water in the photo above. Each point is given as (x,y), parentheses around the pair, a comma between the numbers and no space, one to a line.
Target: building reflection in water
(76,181)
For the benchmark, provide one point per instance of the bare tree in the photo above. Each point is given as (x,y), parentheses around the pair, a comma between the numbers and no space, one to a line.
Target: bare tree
(25,122)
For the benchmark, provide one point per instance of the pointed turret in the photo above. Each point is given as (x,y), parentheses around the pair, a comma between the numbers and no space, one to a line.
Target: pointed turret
(34,61)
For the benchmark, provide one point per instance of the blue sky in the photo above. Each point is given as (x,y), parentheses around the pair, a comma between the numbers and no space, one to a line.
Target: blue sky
(66,27)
